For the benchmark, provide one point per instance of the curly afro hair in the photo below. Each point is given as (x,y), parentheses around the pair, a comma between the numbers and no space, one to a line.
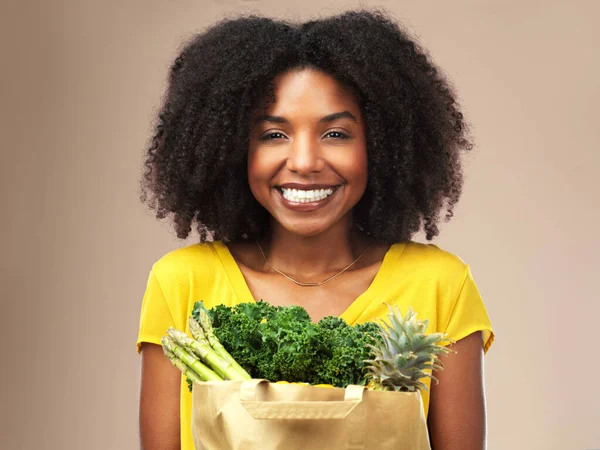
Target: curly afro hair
(196,161)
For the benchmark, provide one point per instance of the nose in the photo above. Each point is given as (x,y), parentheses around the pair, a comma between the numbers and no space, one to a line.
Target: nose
(304,156)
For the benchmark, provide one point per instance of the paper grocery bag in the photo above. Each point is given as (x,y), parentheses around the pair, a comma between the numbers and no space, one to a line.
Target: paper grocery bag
(256,414)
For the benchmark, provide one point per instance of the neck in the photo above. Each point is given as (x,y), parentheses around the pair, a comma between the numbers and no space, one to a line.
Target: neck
(313,258)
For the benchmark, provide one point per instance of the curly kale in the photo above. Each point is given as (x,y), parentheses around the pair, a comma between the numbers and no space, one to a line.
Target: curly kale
(283,344)
(292,345)
(239,330)
(347,349)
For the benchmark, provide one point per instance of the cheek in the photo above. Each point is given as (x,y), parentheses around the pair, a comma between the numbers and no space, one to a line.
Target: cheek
(259,173)
(362,166)
(253,175)
(357,169)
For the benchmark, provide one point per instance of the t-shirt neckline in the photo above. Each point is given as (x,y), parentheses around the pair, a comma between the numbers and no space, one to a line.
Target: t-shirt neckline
(352,312)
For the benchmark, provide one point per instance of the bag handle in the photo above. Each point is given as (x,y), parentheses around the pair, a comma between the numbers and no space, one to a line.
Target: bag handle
(300,409)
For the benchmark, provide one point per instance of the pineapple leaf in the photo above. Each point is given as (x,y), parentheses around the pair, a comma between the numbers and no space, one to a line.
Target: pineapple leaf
(406,354)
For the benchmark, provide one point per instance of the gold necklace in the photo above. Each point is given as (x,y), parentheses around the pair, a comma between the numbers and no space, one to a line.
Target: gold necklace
(300,283)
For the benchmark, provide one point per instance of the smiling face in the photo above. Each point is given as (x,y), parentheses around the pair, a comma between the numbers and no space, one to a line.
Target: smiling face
(307,161)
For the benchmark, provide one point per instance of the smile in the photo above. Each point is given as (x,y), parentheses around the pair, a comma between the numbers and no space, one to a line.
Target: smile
(306,196)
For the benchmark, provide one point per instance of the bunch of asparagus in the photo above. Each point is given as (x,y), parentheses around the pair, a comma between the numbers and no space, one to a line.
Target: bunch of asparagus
(202,358)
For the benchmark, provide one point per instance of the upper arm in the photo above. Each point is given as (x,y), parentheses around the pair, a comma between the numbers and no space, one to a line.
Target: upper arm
(457,411)
(159,401)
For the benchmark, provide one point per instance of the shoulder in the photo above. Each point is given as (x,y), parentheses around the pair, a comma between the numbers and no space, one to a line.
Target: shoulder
(424,277)
(430,258)
(185,261)
(430,267)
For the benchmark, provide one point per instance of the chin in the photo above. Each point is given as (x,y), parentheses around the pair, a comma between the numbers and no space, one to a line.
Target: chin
(306,229)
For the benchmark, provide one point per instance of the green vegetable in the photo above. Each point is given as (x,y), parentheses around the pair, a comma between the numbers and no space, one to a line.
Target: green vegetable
(206,327)
(238,329)
(283,344)
(190,375)
(291,346)
(191,361)
(202,349)
(347,349)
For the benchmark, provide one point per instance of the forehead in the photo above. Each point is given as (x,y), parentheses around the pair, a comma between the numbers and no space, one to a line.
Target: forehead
(308,91)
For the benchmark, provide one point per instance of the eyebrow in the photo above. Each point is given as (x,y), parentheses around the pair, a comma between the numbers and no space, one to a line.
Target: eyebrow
(326,119)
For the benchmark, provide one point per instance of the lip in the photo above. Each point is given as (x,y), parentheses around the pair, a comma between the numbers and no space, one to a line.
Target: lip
(308,187)
(308,206)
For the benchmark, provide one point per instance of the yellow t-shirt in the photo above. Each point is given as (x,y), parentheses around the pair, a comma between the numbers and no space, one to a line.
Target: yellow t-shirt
(436,284)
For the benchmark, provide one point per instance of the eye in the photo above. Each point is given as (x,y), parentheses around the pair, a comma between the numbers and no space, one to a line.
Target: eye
(338,135)
(272,136)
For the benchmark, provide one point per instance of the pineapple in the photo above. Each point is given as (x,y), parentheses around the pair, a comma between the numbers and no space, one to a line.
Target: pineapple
(406,355)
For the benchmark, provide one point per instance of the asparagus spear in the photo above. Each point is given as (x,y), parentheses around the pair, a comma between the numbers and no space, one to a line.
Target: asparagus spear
(225,369)
(195,329)
(189,373)
(209,333)
(190,360)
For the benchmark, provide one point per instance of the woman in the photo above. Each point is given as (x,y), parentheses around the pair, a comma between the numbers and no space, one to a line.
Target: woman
(307,157)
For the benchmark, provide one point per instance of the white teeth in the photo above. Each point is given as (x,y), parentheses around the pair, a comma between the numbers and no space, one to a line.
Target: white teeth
(301,196)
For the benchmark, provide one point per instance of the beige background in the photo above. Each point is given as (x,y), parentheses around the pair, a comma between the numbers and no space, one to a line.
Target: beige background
(79,83)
